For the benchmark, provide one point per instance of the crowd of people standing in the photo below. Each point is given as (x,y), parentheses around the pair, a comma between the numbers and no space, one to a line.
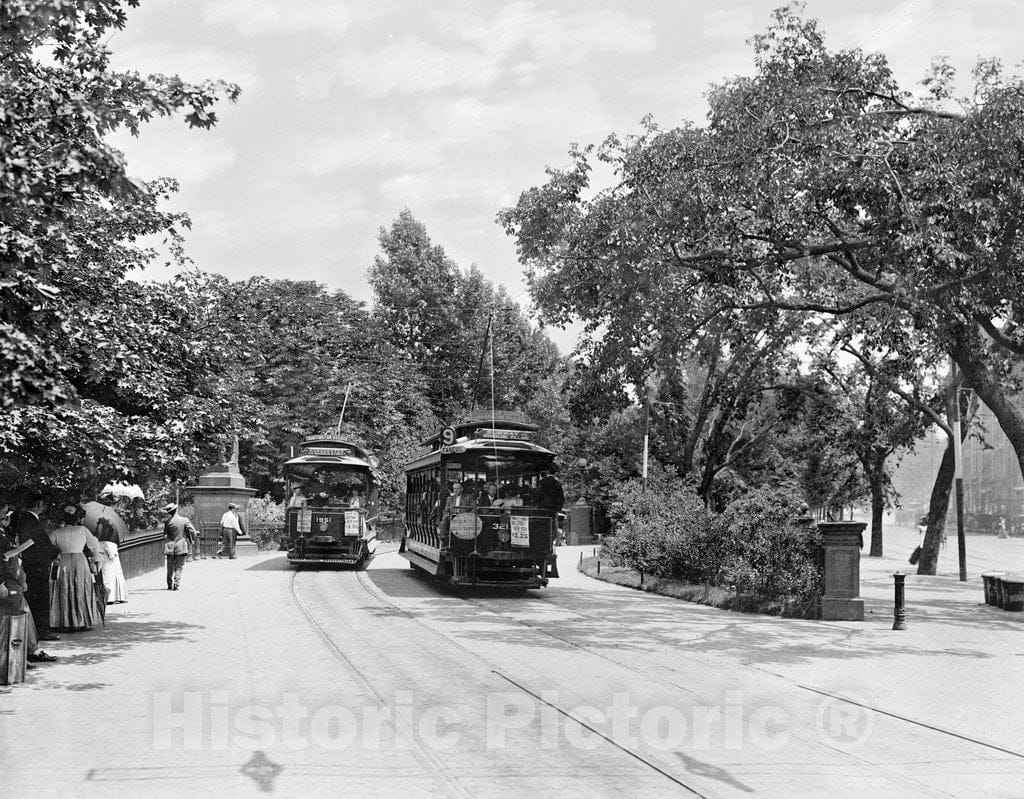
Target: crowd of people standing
(58,574)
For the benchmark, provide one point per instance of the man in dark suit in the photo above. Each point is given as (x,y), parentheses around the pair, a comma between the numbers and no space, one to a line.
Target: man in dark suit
(36,561)
(550,495)
(178,535)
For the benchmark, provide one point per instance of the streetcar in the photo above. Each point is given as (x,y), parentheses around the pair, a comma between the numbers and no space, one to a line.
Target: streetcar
(332,503)
(491,531)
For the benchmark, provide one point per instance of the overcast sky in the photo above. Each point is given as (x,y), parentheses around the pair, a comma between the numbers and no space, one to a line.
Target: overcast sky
(351,111)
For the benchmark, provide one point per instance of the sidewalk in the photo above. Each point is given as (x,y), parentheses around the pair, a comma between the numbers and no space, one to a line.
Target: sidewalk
(956,667)
(231,638)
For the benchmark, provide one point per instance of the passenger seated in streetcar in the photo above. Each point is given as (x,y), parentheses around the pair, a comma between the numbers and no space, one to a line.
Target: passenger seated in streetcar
(470,489)
(455,500)
(322,489)
(297,499)
(489,496)
(510,497)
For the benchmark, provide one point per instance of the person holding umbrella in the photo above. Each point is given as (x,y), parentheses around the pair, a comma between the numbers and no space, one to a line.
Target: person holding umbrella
(109,528)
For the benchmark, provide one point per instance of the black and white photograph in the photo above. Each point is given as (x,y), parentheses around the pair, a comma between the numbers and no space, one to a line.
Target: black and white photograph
(464,399)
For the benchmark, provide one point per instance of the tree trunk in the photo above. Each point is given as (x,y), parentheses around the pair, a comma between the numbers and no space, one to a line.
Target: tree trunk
(877,480)
(938,506)
(967,351)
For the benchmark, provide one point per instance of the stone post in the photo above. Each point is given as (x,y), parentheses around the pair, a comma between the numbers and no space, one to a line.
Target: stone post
(580,529)
(843,542)
(216,488)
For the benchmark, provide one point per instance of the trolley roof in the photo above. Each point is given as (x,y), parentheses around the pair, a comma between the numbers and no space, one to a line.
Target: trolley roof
(478,446)
(331,451)
(498,420)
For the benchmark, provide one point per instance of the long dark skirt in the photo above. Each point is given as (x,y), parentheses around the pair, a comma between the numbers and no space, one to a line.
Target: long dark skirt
(73,602)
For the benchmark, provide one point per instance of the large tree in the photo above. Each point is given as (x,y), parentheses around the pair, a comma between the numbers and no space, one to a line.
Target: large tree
(817,187)
(465,335)
(88,361)
(313,354)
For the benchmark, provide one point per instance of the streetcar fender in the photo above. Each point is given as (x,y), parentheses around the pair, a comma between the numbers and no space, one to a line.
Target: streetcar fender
(418,560)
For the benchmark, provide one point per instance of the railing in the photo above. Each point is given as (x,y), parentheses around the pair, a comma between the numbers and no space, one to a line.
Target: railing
(390,529)
(209,539)
(142,553)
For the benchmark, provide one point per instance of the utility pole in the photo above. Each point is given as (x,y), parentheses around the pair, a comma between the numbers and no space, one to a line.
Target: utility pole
(651,388)
(958,468)
(647,433)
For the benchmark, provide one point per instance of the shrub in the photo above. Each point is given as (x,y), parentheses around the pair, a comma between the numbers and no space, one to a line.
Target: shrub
(767,551)
(266,521)
(657,530)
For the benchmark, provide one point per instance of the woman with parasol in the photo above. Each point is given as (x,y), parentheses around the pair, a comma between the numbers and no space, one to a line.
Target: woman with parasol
(109,528)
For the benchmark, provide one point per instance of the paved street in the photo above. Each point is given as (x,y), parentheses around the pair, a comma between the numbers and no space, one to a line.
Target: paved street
(255,679)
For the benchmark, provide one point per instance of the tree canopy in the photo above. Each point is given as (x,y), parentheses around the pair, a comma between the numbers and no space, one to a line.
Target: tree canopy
(818,187)
(89,360)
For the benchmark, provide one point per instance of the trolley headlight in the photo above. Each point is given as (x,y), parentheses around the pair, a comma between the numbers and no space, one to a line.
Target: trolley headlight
(503,535)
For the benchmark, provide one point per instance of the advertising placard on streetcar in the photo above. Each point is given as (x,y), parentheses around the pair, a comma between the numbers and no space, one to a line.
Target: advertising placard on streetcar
(466,526)
(305,521)
(351,522)
(520,529)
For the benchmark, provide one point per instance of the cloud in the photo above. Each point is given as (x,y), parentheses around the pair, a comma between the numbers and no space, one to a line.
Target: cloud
(254,18)
(554,34)
(167,148)
(378,148)
(411,66)
(519,42)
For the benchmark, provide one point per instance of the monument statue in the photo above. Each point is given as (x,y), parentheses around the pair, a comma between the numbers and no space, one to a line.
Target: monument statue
(231,460)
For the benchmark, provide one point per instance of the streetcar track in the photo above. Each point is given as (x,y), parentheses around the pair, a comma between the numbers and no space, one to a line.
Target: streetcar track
(434,765)
(794,683)
(361,579)
(814,743)
(811,742)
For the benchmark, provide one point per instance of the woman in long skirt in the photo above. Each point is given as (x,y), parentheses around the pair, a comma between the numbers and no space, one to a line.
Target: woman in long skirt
(112,573)
(73,603)
(107,525)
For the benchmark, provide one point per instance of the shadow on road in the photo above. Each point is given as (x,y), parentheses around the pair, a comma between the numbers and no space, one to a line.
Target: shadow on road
(278,564)
(403,583)
(627,620)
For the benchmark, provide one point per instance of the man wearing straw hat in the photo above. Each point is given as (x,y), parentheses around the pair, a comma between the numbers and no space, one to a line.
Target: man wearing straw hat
(178,535)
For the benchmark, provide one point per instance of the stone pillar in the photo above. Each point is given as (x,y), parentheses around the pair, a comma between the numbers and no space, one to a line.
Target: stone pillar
(580,530)
(216,488)
(843,542)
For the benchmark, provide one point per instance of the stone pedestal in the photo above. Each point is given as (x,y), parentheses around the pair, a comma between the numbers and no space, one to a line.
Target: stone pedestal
(841,600)
(216,488)
(580,528)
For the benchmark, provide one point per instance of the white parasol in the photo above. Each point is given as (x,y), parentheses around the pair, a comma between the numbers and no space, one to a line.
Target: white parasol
(119,489)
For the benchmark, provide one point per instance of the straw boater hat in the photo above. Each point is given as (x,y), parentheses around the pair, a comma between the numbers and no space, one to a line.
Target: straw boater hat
(170,507)
(232,506)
